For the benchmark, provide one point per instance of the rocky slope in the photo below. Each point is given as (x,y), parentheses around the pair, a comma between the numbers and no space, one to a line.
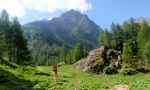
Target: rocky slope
(70,28)
(98,59)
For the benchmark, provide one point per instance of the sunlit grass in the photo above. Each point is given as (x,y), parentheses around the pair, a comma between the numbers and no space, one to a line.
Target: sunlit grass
(42,78)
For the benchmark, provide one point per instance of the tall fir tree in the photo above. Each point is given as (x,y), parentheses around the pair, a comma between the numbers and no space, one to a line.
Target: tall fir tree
(8,33)
(85,52)
(72,60)
(63,53)
(78,52)
(119,37)
(146,54)
(143,36)
(2,46)
(106,38)
(101,39)
(113,36)
(22,52)
(68,59)
(128,53)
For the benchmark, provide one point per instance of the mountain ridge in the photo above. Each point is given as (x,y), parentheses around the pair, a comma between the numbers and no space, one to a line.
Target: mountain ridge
(70,26)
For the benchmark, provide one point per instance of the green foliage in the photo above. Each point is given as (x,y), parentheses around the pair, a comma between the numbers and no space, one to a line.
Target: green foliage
(85,52)
(97,63)
(143,36)
(78,52)
(126,70)
(68,59)
(2,49)
(146,54)
(14,44)
(128,53)
(101,38)
(109,70)
(106,38)
(117,36)
(63,53)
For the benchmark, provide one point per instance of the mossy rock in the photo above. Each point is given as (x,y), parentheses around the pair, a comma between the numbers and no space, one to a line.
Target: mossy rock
(97,63)
(97,56)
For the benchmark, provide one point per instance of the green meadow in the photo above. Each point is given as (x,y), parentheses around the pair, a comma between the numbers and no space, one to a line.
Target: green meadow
(42,78)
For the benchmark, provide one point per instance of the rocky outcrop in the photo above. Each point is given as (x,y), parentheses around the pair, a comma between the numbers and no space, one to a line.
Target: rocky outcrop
(98,59)
(62,63)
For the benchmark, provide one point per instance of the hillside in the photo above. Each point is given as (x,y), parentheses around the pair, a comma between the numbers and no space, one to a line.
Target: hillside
(70,28)
(17,77)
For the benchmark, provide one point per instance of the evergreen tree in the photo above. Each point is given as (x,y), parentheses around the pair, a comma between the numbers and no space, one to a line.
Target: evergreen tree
(119,37)
(23,54)
(106,38)
(68,58)
(128,53)
(143,36)
(71,56)
(78,52)
(63,53)
(2,48)
(101,39)
(113,36)
(146,54)
(85,52)
(8,33)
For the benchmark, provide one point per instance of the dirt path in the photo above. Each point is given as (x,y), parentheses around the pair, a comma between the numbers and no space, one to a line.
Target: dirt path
(121,87)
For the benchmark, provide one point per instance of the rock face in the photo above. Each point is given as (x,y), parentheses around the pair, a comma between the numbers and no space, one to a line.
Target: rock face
(98,59)
(62,63)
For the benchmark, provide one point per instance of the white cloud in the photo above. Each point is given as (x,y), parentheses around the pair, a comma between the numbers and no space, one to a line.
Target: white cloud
(53,5)
(17,7)
(13,7)
(49,18)
(40,19)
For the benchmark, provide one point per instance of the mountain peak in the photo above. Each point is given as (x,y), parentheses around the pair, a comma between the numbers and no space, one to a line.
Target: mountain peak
(71,13)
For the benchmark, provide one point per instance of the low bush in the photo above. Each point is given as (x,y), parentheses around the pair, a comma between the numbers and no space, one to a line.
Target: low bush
(98,62)
(126,70)
(109,70)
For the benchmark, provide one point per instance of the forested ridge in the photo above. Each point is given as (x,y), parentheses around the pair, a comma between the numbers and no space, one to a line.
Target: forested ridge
(37,47)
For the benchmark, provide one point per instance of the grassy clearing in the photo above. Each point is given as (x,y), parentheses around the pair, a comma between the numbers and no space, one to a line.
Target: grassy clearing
(42,78)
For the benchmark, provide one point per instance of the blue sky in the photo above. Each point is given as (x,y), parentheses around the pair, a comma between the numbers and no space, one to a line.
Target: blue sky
(102,12)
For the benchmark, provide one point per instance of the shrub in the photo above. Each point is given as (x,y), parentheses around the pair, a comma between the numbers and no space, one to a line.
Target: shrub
(98,62)
(109,70)
(126,70)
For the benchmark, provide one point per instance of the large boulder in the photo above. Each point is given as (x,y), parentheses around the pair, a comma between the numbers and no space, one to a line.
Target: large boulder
(98,59)
(62,63)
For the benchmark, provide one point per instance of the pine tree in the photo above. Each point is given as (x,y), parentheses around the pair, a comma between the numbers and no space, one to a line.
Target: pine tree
(68,58)
(146,54)
(8,33)
(143,35)
(71,56)
(101,39)
(113,36)
(78,52)
(106,38)
(128,53)
(85,52)
(63,53)
(2,48)
(23,54)
(119,37)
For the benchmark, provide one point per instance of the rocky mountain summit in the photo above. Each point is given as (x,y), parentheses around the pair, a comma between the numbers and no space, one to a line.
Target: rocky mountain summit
(98,59)
(69,28)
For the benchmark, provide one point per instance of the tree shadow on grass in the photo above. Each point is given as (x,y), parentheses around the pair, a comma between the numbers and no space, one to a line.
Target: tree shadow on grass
(9,80)
(41,73)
